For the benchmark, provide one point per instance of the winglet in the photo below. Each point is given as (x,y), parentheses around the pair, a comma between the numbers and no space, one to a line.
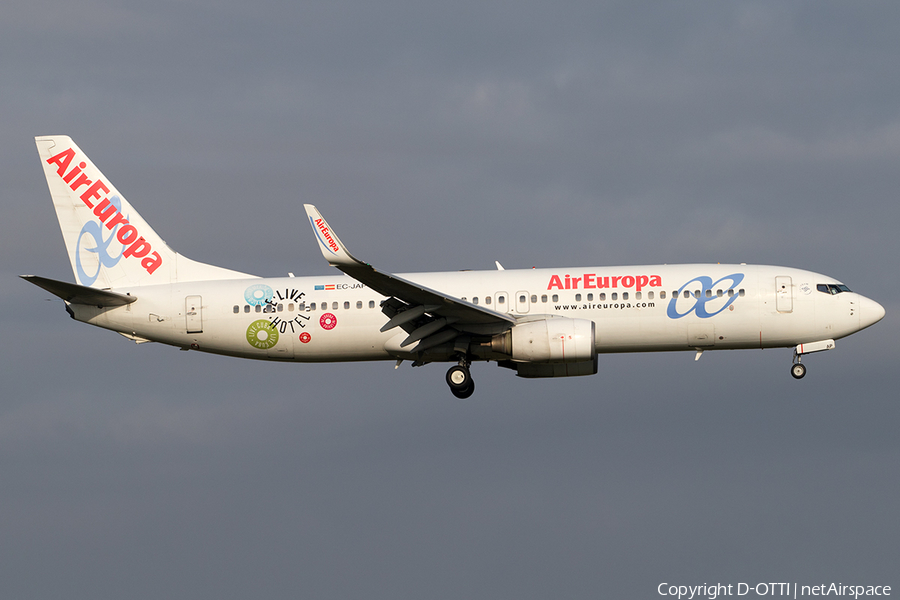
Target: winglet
(330,244)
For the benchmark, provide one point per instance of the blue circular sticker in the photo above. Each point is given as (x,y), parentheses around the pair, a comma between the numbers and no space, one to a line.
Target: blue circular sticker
(259,294)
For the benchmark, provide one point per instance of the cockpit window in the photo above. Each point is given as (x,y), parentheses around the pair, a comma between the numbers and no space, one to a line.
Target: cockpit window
(832,288)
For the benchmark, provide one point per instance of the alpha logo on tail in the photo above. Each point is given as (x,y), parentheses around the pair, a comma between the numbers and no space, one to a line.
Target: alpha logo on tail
(108,212)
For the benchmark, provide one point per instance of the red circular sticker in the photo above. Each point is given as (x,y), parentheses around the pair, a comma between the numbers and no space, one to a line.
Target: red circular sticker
(328,321)
(305,337)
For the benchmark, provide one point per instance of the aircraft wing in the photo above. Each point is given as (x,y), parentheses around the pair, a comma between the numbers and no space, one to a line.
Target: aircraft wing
(427,315)
(79,294)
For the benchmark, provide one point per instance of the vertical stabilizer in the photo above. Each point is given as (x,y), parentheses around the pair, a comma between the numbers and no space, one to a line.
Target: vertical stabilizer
(108,242)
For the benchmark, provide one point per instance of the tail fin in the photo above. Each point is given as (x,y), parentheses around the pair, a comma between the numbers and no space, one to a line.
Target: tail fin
(109,244)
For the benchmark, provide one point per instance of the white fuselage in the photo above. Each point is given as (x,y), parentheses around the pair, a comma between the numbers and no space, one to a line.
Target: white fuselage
(635,309)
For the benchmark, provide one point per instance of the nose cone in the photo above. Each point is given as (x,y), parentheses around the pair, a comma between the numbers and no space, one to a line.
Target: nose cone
(870,312)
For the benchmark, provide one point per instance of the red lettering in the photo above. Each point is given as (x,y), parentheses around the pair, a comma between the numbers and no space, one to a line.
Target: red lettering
(127,234)
(152,262)
(82,180)
(104,210)
(138,249)
(62,161)
(116,219)
(93,191)
(68,178)
(592,281)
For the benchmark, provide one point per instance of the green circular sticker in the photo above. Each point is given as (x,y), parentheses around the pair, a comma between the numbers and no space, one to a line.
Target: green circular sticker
(262,334)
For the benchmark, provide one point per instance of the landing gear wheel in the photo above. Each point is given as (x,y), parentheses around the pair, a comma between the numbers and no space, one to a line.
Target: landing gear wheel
(465,392)
(798,371)
(460,381)
(458,377)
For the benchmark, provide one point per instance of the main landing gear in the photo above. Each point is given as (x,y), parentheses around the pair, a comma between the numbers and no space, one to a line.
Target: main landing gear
(460,380)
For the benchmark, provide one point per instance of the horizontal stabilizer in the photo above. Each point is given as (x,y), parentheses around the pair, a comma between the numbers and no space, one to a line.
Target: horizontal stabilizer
(79,294)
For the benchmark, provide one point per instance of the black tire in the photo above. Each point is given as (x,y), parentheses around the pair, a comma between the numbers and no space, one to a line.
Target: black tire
(458,378)
(464,393)
(798,371)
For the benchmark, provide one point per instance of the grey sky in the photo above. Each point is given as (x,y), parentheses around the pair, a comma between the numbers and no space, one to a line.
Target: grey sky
(440,137)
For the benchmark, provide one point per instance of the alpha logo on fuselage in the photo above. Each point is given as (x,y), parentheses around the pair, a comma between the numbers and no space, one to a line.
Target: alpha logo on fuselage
(705,302)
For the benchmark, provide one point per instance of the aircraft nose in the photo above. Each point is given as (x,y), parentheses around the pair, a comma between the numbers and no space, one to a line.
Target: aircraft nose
(870,312)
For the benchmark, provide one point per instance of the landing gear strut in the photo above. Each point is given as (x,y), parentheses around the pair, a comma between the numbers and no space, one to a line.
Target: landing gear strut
(460,381)
(798,370)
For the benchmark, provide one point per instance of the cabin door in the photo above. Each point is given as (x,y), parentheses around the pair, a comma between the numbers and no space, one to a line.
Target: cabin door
(784,295)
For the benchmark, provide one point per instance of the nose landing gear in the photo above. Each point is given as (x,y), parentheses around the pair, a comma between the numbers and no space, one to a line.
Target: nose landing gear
(460,381)
(798,370)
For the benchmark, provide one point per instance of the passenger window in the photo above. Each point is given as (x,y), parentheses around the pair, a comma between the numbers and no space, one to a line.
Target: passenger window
(556,297)
(346,305)
(602,296)
(662,295)
(475,300)
(258,308)
(523,298)
(741,293)
(637,295)
(280,307)
(500,299)
(246,308)
(624,295)
(687,294)
(237,309)
(487,299)
(730,293)
(709,293)
(534,298)
(334,306)
(650,295)
(577,297)
(590,297)
(543,297)
(291,307)
(614,296)
(719,293)
(371,304)
(359,304)
(312,306)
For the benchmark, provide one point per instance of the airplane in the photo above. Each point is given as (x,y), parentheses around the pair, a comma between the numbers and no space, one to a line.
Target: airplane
(540,322)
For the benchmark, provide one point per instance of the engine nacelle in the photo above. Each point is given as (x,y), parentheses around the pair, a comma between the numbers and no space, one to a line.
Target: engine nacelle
(553,340)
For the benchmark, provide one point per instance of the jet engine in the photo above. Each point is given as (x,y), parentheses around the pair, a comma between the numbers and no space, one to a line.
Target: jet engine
(554,347)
